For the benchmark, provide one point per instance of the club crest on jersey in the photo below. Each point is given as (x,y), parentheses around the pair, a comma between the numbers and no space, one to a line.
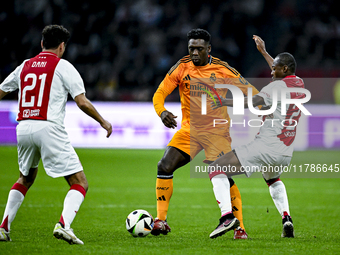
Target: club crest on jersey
(213,77)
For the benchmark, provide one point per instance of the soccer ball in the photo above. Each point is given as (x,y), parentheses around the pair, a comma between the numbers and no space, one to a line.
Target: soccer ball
(139,223)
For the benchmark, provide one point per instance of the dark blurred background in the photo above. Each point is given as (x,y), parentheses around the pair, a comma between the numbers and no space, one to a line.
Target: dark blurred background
(123,49)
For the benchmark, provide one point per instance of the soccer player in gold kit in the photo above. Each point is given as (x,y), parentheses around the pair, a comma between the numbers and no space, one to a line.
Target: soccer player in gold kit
(195,74)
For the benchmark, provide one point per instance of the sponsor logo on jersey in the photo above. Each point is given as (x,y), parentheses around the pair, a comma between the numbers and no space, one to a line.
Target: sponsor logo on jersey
(30,113)
(289,134)
(202,89)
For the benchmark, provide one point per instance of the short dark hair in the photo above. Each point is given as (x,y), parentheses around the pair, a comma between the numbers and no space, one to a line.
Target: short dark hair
(199,33)
(53,35)
(287,59)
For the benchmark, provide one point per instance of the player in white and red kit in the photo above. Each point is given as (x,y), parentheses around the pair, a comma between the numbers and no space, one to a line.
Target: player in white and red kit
(272,147)
(44,83)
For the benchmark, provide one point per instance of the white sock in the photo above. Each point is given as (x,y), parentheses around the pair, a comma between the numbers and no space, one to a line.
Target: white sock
(72,202)
(221,188)
(15,198)
(279,195)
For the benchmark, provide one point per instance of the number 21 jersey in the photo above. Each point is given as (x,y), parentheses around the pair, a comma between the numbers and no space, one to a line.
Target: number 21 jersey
(44,83)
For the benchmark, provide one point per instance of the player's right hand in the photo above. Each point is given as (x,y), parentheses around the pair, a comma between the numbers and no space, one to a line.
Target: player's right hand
(108,127)
(168,119)
(218,104)
(271,116)
(260,45)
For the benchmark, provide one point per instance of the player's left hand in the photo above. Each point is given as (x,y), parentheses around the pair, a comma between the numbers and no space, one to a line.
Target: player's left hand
(108,127)
(260,45)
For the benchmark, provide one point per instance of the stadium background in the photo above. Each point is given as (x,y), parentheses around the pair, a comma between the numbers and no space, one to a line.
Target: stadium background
(123,49)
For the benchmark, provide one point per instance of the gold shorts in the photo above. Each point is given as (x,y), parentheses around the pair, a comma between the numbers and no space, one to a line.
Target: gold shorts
(214,145)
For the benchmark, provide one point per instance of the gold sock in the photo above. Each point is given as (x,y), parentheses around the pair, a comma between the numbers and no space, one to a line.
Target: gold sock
(236,203)
(164,188)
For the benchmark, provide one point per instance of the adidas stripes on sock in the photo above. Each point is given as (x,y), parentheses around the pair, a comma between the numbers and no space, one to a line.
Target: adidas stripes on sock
(236,203)
(164,189)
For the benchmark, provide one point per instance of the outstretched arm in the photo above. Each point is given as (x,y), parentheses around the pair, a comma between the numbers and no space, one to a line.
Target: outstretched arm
(2,93)
(86,106)
(260,45)
(256,100)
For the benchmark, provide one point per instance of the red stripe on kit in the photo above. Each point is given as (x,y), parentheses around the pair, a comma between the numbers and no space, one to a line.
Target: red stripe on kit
(213,174)
(79,188)
(5,224)
(20,187)
(270,182)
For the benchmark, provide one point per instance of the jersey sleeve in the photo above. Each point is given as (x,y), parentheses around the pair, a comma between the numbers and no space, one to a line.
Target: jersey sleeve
(243,84)
(268,92)
(232,76)
(71,78)
(12,81)
(168,85)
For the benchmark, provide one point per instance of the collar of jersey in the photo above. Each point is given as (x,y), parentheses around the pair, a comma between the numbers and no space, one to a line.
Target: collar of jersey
(209,62)
(48,53)
(290,76)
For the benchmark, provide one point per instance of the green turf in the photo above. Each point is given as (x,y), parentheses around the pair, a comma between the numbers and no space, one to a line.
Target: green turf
(123,180)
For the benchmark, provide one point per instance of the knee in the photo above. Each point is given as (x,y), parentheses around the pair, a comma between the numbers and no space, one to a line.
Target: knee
(27,182)
(79,179)
(164,167)
(83,182)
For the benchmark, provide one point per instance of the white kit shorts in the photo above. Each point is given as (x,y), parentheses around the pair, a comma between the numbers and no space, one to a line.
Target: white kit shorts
(50,142)
(257,157)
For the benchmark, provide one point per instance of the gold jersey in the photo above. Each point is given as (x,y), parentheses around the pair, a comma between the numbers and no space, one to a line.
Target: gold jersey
(193,81)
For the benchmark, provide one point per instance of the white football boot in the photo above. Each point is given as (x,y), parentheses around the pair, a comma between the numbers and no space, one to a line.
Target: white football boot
(66,234)
(4,235)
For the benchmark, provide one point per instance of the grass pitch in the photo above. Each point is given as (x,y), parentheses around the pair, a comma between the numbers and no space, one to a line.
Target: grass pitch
(123,180)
